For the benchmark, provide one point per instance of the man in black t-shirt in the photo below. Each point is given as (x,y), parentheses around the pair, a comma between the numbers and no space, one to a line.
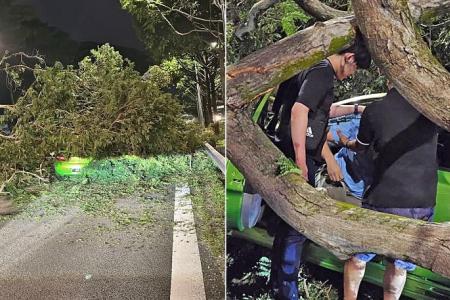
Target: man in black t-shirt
(300,117)
(404,178)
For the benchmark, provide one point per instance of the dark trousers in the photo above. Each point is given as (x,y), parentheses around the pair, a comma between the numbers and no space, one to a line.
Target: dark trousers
(287,251)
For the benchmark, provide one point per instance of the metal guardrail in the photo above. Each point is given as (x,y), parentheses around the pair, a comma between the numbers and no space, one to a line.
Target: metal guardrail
(218,158)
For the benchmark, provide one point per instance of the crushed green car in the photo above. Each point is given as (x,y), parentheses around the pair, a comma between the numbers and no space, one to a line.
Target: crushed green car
(70,167)
(245,220)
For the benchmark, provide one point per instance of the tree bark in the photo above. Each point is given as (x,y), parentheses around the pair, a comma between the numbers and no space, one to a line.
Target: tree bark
(321,11)
(329,223)
(398,49)
(266,68)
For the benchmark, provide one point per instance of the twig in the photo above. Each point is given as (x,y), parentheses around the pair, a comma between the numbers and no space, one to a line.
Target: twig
(7,137)
(7,106)
(34,175)
(305,287)
(175,30)
(187,15)
(2,187)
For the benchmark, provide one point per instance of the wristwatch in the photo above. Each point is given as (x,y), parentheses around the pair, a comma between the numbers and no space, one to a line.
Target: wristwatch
(356,111)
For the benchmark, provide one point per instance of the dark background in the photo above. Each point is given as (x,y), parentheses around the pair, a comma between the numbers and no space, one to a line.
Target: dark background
(66,30)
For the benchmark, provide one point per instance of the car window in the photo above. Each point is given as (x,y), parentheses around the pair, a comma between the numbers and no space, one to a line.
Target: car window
(444,150)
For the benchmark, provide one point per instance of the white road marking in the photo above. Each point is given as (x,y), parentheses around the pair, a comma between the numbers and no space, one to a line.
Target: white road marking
(187,276)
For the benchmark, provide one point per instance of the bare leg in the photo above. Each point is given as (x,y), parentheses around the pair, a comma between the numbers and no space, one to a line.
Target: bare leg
(353,274)
(394,281)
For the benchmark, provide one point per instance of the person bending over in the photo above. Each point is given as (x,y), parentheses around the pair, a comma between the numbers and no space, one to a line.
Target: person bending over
(404,178)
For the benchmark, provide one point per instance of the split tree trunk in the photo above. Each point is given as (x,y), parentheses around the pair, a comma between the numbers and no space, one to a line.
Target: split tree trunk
(329,223)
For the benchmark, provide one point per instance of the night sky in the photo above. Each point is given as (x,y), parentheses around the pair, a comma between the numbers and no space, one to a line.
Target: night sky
(87,23)
(89,20)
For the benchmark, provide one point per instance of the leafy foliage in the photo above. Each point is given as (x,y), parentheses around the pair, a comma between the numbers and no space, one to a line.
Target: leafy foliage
(102,108)
(283,19)
(23,31)
(190,35)
(187,26)
(287,166)
(291,14)
(363,82)
(437,34)
(102,183)
(248,268)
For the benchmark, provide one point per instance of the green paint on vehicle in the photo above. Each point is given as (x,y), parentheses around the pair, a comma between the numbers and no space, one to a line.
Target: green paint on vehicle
(442,209)
(71,167)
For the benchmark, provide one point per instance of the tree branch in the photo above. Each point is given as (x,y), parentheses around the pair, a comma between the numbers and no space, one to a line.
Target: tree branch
(404,57)
(252,16)
(7,106)
(183,13)
(266,68)
(175,30)
(422,10)
(321,11)
(7,137)
(326,222)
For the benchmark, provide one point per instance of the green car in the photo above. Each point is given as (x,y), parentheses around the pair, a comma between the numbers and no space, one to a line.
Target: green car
(245,219)
(70,167)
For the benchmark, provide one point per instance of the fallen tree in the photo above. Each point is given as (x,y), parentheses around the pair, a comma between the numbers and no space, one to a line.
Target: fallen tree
(329,223)
(101,108)
(421,10)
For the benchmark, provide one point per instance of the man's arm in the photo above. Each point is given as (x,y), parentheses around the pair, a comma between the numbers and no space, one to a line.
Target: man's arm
(353,145)
(299,122)
(337,110)
(333,168)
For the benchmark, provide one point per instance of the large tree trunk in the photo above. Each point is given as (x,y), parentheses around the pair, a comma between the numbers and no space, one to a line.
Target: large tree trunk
(329,223)
(398,49)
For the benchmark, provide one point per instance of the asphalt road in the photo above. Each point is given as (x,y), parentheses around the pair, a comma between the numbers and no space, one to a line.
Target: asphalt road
(75,256)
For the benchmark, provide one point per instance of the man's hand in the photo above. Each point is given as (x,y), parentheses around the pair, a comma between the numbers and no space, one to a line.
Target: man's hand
(334,171)
(353,145)
(332,166)
(301,163)
(343,140)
